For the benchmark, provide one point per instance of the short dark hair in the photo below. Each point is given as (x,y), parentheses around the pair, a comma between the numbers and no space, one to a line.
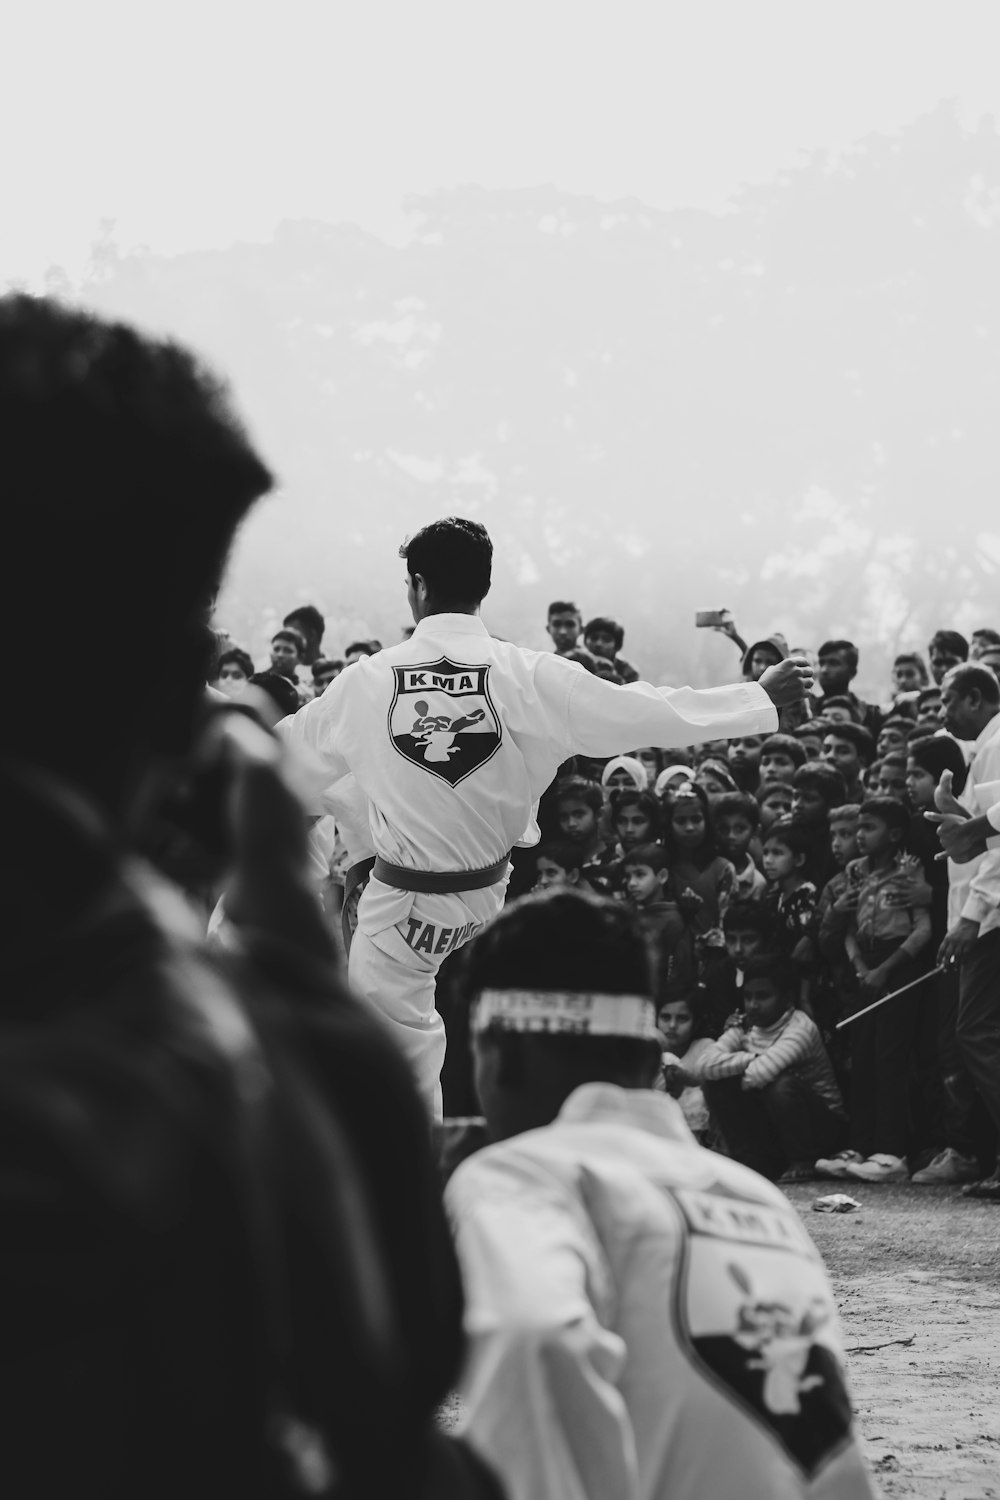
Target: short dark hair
(630,796)
(784,744)
(605,625)
(367,648)
(846,648)
(279,689)
(912,659)
(823,778)
(775,967)
(933,690)
(309,616)
(841,700)
(950,641)
(749,916)
(653,855)
(126,470)
(564,939)
(856,735)
(768,788)
(936,753)
(580,789)
(324,664)
(817,727)
(737,804)
(454,556)
(902,721)
(790,832)
(888,810)
(236,657)
(973,677)
(564,607)
(849,812)
(987,634)
(560,852)
(295,637)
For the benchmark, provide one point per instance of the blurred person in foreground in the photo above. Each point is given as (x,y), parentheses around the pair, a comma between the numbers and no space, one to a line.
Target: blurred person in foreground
(648,1320)
(224,1270)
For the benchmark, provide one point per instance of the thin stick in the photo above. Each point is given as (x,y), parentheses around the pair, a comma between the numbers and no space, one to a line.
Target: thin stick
(886,998)
(870,1348)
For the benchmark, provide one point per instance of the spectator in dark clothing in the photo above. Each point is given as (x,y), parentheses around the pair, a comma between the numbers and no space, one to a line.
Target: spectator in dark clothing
(224,1266)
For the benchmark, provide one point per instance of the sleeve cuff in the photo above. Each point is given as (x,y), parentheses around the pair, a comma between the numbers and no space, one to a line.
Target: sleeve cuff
(761,706)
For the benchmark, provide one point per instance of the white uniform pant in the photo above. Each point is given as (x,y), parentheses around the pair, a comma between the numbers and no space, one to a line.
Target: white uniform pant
(394,968)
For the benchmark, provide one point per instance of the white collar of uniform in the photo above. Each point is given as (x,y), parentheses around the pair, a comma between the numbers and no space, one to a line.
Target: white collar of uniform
(452,624)
(642,1109)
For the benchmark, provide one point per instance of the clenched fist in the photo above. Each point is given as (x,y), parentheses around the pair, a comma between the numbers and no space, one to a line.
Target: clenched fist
(788,682)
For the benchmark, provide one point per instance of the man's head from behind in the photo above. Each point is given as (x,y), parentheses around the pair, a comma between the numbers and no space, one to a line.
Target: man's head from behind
(449,567)
(125,475)
(310,624)
(562,991)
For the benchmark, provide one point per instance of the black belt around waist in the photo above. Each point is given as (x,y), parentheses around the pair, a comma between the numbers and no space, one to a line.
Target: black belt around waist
(439,882)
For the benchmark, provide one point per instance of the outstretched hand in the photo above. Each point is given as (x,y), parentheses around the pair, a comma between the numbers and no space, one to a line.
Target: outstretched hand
(788,682)
(962,837)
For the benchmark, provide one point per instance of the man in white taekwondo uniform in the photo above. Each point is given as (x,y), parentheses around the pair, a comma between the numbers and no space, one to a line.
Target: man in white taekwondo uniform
(647,1320)
(453,736)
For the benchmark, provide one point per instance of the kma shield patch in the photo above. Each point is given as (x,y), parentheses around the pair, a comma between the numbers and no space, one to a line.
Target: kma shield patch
(755,1311)
(442,718)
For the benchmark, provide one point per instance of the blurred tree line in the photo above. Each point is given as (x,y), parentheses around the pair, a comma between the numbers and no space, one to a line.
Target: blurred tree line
(790,408)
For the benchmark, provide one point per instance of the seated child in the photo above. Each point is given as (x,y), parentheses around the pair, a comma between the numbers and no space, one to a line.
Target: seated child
(557,863)
(579,805)
(774,799)
(681,1022)
(748,929)
(885,935)
(635,817)
(768,1083)
(780,757)
(736,818)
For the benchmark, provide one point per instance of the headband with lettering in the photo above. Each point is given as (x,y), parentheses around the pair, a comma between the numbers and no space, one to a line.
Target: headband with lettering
(567,1013)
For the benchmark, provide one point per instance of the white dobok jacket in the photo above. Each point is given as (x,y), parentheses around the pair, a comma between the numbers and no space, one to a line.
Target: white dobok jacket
(647,1320)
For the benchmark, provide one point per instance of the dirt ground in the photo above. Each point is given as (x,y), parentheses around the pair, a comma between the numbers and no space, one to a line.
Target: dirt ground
(920,1266)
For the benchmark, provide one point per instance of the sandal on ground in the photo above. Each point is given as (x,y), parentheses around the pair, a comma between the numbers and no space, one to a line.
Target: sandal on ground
(987,1191)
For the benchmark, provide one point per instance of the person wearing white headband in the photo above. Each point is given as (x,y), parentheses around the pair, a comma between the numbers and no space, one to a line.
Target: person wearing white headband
(647,1320)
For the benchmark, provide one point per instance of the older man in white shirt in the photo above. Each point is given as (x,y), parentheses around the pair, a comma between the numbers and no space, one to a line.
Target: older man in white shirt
(970,709)
(453,736)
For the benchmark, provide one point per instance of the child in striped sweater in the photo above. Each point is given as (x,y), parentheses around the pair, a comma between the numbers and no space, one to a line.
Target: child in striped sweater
(768,1083)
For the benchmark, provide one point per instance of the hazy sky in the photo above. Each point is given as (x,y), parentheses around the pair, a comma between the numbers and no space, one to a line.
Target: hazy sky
(199,122)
